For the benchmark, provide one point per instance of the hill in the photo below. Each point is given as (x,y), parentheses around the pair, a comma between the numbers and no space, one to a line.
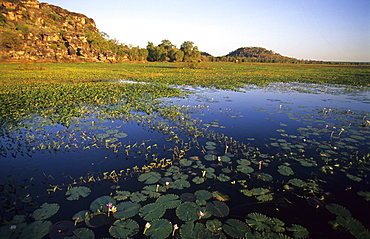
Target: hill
(34,31)
(257,53)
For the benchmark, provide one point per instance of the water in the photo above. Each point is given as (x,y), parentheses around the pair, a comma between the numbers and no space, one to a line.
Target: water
(321,136)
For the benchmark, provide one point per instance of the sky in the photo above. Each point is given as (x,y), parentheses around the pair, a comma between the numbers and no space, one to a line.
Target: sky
(328,30)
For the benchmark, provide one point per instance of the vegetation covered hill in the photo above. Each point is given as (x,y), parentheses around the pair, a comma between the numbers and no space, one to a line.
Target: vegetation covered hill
(256,53)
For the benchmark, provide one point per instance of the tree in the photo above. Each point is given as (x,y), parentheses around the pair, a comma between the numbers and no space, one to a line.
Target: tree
(191,52)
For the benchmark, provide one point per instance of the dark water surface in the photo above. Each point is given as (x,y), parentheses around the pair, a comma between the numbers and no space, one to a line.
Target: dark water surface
(320,133)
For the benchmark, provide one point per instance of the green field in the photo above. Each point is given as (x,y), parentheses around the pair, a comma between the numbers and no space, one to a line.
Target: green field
(60,89)
(221,75)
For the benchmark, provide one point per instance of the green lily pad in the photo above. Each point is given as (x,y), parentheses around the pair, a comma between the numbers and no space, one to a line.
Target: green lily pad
(211,143)
(180,184)
(169,201)
(264,177)
(225,158)
(223,178)
(220,196)
(122,195)
(127,210)
(236,228)
(338,210)
(83,233)
(365,194)
(149,178)
(36,230)
(244,162)
(203,194)
(75,192)
(185,162)
(218,209)
(298,231)
(47,210)
(152,211)
(285,170)
(297,182)
(262,222)
(124,228)
(112,131)
(80,216)
(244,169)
(188,197)
(121,135)
(97,219)
(198,180)
(210,157)
(100,204)
(138,197)
(210,147)
(214,225)
(159,229)
(188,211)
(191,230)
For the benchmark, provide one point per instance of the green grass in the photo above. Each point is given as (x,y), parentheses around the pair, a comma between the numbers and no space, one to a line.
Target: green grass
(220,75)
(61,90)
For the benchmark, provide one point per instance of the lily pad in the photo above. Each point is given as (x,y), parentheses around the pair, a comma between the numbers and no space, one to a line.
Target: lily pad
(127,210)
(185,162)
(100,204)
(149,178)
(198,180)
(75,192)
(80,216)
(47,210)
(124,228)
(191,230)
(122,195)
(159,229)
(138,197)
(338,210)
(83,233)
(36,230)
(121,135)
(236,228)
(365,194)
(61,229)
(152,211)
(218,209)
(214,225)
(244,169)
(203,194)
(188,197)
(169,201)
(210,157)
(298,231)
(285,170)
(97,219)
(188,211)
(220,196)
(180,184)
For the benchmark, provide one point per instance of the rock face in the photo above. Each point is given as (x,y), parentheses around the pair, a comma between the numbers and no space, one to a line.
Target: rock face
(34,31)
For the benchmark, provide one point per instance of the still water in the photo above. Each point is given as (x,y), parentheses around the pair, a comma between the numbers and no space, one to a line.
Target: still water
(296,152)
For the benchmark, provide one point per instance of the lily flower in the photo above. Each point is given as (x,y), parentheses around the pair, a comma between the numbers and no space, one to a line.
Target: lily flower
(147,225)
(201,214)
(175,227)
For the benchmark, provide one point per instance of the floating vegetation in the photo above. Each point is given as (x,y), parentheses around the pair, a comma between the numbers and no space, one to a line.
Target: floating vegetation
(142,163)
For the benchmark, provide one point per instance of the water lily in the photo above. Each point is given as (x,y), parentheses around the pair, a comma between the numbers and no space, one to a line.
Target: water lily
(201,214)
(109,205)
(13,227)
(113,209)
(147,225)
(175,227)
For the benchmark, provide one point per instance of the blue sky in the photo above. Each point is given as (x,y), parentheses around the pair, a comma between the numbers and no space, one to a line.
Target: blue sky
(305,29)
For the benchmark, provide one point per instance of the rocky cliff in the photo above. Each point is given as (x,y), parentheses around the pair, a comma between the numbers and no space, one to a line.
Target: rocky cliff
(34,31)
